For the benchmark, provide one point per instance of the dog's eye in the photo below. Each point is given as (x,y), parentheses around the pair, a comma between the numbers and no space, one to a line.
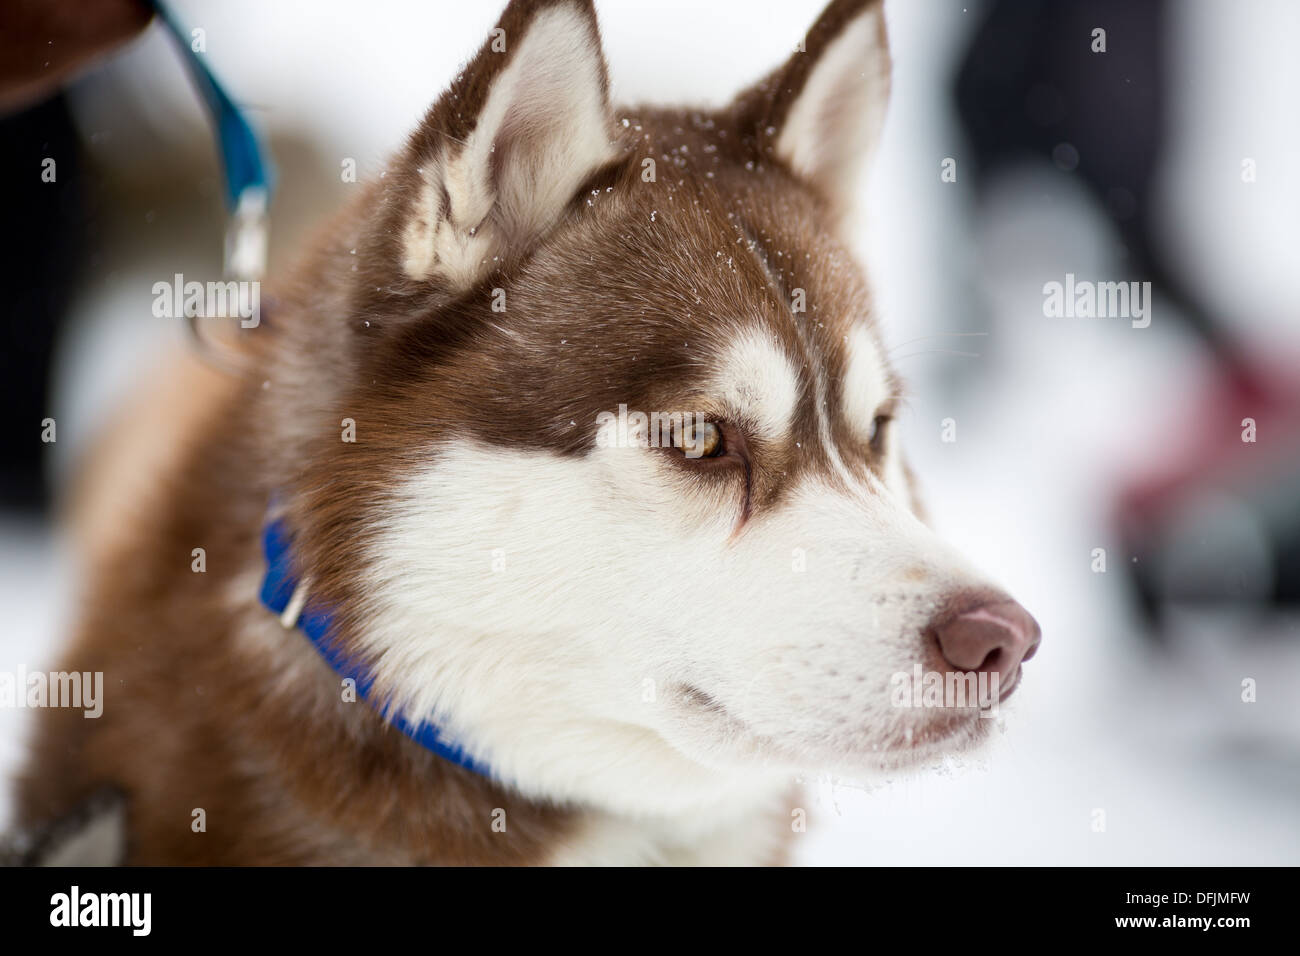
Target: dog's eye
(879,427)
(702,440)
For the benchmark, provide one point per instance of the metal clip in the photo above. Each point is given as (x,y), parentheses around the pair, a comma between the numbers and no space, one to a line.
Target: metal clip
(247,236)
(293,610)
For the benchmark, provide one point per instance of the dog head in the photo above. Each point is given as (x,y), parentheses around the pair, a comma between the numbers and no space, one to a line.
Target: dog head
(625,511)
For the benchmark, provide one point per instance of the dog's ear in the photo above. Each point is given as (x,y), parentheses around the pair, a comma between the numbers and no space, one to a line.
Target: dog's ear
(822,112)
(499,157)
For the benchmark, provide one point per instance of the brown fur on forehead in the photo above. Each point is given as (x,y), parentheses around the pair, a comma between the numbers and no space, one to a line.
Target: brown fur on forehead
(636,295)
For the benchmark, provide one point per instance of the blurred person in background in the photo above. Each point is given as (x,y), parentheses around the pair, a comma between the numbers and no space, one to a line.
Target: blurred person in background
(44,44)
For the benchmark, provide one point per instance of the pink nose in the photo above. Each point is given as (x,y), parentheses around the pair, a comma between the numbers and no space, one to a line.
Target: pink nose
(993,636)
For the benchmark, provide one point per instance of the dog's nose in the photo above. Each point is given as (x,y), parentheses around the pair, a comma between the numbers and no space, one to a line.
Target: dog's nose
(994,636)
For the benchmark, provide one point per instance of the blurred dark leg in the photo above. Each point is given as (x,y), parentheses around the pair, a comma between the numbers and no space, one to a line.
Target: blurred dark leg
(42,243)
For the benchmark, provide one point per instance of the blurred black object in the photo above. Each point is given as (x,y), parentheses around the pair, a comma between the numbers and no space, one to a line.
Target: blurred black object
(41,250)
(43,45)
(1218,523)
(1032,87)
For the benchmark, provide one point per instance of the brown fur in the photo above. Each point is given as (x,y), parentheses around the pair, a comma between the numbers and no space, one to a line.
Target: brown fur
(209,703)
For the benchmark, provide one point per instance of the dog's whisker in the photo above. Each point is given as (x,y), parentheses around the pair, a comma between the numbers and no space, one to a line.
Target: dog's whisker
(932,335)
(899,358)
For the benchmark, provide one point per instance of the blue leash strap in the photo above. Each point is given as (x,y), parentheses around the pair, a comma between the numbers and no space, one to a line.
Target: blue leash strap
(245,164)
(248,171)
(278,588)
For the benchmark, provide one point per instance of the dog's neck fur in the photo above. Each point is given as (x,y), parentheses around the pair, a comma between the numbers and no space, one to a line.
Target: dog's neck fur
(438,805)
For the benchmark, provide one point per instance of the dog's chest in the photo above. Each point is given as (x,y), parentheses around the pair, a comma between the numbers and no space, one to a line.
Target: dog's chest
(751,837)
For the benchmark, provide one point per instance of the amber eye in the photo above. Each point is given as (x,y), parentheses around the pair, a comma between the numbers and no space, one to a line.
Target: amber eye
(699,440)
(879,428)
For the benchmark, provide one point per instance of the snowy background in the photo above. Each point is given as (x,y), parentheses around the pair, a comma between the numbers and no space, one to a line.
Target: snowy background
(1051,412)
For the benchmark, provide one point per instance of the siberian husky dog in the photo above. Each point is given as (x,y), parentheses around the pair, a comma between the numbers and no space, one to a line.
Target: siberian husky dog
(566,461)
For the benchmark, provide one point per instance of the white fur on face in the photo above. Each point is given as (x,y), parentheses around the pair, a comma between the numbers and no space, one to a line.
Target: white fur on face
(543,130)
(595,630)
(866,384)
(755,377)
(866,389)
(510,602)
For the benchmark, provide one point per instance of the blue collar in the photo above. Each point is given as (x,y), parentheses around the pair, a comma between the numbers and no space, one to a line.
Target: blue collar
(281,593)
